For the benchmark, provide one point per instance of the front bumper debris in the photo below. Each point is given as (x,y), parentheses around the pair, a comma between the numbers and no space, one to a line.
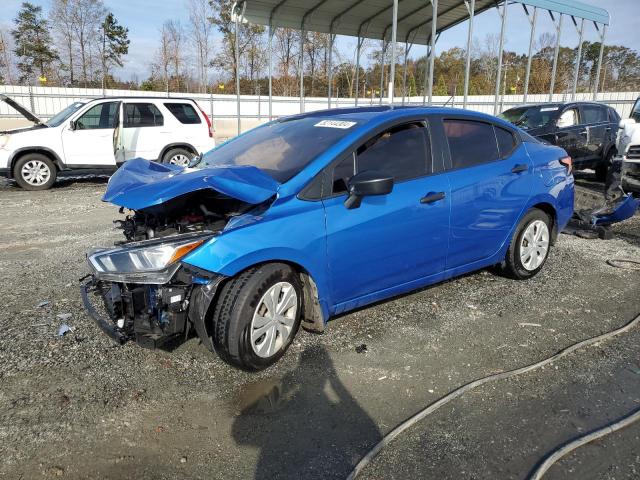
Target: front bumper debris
(154,316)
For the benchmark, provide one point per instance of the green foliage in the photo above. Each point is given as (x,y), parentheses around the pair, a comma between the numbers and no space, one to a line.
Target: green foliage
(33,44)
(115,41)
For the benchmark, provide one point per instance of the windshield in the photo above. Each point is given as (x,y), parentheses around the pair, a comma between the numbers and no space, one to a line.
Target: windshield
(280,149)
(531,117)
(60,117)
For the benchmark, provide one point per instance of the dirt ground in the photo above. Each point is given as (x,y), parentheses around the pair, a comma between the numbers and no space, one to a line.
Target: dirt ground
(80,407)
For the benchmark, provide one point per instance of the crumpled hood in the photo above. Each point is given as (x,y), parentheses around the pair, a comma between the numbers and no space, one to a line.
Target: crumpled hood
(141,183)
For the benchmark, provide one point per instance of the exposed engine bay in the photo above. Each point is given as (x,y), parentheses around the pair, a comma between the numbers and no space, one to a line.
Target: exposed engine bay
(159,305)
(203,210)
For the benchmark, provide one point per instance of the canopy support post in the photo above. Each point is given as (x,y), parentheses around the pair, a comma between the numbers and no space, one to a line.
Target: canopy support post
(527,74)
(600,56)
(394,32)
(407,49)
(555,56)
(471,8)
(384,51)
(500,51)
(359,46)
(301,68)
(434,29)
(270,72)
(332,38)
(237,55)
(576,71)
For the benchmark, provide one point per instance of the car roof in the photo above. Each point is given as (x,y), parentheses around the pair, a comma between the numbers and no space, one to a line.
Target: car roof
(388,112)
(558,104)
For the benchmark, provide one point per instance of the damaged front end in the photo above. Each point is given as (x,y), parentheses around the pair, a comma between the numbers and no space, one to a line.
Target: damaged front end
(141,289)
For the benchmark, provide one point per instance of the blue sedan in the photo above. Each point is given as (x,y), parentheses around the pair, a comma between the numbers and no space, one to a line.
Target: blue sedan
(313,215)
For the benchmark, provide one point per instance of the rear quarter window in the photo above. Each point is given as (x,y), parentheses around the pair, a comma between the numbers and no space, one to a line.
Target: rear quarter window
(184,113)
(506,141)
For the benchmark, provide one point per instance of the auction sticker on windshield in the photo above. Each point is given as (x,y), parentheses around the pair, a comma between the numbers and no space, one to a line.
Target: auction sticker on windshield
(335,124)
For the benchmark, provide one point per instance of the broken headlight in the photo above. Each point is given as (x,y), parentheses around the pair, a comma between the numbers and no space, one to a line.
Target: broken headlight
(150,261)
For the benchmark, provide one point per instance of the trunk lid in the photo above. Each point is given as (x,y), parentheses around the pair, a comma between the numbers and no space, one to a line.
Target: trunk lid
(140,184)
(25,113)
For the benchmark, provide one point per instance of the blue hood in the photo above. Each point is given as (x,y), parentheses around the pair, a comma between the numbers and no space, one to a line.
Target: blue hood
(141,184)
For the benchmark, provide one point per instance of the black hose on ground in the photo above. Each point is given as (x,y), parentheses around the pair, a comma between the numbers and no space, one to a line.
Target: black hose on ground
(388,438)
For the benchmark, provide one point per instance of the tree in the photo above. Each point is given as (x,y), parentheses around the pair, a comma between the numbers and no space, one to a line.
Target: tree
(115,44)
(33,44)
(163,55)
(200,35)
(62,19)
(176,41)
(87,20)
(248,36)
(5,59)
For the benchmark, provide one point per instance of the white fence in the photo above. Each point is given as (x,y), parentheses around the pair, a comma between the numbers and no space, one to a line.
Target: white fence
(47,101)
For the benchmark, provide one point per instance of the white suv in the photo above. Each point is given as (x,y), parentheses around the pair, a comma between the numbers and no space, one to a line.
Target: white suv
(101,134)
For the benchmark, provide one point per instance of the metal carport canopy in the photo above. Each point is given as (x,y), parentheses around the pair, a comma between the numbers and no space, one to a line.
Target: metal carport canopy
(372,18)
(411,22)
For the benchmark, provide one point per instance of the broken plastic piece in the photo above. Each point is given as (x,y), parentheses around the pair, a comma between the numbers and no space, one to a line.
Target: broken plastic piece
(64,329)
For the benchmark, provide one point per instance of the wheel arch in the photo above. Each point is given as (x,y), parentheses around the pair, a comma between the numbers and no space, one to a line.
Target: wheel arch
(185,145)
(550,210)
(21,152)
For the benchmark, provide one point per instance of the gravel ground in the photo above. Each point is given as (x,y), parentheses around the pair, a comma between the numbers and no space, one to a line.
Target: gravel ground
(79,407)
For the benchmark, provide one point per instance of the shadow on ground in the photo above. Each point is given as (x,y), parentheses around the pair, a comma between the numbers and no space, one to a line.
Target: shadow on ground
(307,425)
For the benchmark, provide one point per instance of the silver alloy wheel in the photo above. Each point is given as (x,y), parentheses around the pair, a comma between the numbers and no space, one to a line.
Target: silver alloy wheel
(534,245)
(180,159)
(273,319)
(35,172)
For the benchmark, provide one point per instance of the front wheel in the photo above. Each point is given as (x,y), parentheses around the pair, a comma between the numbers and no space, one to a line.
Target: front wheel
(529,246)
(35,171)
(257,315)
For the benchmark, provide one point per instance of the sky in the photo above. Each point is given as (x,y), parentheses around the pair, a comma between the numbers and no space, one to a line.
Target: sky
(144,17)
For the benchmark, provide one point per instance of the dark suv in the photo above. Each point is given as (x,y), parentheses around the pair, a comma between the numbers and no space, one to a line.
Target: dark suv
(586,130)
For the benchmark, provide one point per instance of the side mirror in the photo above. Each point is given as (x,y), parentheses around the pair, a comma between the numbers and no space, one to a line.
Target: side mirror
(72,125)
(626,121)
(365,184)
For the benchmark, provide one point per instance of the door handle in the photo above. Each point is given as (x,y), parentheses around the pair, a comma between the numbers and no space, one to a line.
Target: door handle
(519,168)
(432,197)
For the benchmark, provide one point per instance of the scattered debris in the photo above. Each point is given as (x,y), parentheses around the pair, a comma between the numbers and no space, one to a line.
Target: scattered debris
(159,429)
(64,316)
(56,471)
(64,329)
(526,324)
(43,303)
(183,460)
(361,348)
(382,378)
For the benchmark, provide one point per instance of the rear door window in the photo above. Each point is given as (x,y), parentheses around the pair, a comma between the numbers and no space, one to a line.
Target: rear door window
(184,112)
(403,152)
(142,115)
(594,114)
(471,142)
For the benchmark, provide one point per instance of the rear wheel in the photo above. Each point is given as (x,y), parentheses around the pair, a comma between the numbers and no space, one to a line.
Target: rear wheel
(257,316)
(35,171)
(529,246)
(178,156)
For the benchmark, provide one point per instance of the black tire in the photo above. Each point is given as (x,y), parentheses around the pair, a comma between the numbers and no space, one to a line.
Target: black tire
(173,152)
(36,159)
(233,313)
(603,168)
(512,265)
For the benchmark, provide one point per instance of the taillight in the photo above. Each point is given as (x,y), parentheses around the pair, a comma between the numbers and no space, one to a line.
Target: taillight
(209,126)
(567,162)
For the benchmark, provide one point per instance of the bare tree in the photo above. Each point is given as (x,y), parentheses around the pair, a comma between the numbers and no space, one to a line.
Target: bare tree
(87,18)
(163,58)
(176,47)
(62,19)
(6,62)
(200,36)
